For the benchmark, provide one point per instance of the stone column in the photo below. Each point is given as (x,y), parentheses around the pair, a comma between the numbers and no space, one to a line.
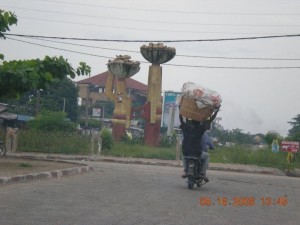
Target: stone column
(121,67)
(156,54)
(12,139)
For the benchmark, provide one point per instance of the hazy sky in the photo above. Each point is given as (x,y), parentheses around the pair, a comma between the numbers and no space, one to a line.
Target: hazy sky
(255,100)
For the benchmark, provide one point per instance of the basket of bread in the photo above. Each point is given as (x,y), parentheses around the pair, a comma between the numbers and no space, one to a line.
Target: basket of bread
(198,102)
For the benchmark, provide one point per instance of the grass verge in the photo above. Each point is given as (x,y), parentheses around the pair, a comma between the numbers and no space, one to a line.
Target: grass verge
(262,157)
(72,143)
(233,155)
(121,149)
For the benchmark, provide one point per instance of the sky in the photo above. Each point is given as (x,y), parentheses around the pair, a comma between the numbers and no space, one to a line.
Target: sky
(258,79)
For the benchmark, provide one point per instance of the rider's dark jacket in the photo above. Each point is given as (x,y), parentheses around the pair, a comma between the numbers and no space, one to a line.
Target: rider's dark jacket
(192,133)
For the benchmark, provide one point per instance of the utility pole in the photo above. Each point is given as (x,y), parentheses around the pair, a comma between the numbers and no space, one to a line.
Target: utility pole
(87,105)
(103,108)
(171,121)
(64,106)
(37,106)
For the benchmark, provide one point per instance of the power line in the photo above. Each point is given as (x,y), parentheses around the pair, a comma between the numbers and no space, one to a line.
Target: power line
(62,49)
(156,21)
(178,65)
(167,41)
(81,45)
(143,29)
(177,55)
(176,11)
(238,58)
(236,67)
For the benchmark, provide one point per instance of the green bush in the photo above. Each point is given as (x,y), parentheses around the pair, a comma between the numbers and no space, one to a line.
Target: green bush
(51,121)
(107,139)
(270,136)
(93,123)
(132,141)
(168,141)
(53,142)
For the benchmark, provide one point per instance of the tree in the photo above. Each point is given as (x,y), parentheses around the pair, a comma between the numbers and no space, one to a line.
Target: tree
(66,94)
(26,104)
(235,135)
(222,135)
(270,136)
(59,96)
(6,19)
(18,77)
(294,132)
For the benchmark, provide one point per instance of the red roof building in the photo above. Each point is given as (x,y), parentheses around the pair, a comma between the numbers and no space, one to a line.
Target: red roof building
(93,88)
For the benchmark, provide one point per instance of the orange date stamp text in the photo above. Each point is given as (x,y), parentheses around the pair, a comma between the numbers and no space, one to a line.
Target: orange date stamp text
(240,201)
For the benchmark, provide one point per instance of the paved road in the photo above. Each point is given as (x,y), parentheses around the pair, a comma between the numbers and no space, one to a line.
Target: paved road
(139,194)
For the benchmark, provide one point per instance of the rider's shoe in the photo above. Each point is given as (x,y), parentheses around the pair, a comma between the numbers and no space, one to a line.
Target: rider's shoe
(184,175)
(204,177)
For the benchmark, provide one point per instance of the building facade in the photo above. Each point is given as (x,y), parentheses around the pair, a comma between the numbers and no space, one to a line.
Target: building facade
(91,90)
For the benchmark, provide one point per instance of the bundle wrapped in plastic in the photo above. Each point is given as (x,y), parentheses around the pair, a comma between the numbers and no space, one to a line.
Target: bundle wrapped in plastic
(198,102)
(203,96)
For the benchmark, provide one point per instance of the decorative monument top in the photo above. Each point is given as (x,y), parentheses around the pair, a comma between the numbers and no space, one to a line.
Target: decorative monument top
(157,53)
(123,67)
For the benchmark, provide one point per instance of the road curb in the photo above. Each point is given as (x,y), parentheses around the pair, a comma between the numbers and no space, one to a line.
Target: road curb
(81,168)
(267,171)
(155,162)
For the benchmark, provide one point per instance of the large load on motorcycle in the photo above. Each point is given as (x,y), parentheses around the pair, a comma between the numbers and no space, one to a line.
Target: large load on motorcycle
(198,102)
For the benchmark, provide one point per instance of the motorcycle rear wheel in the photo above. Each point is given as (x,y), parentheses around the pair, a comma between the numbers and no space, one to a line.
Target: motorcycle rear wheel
(190,182)
(198,184)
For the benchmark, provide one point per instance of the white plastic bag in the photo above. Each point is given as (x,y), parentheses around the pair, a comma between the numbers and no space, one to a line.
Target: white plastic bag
(203,96)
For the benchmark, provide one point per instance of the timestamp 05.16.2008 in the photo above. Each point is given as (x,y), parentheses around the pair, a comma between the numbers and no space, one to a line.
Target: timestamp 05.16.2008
(237,201)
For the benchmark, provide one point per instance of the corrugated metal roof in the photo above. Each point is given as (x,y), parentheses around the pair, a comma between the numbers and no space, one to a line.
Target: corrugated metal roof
(8,116)
(24,117)
(3,107)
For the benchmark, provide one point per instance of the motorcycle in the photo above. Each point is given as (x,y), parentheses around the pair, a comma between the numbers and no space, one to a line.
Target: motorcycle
(194,165)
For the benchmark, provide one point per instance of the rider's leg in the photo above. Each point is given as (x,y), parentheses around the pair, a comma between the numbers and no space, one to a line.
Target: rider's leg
(205,159)
(184,162)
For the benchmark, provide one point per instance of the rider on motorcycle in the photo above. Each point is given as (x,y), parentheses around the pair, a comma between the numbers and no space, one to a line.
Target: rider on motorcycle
(191,144)
(205,142)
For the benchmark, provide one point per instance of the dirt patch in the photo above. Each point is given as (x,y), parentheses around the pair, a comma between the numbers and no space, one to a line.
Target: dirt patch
(18,166)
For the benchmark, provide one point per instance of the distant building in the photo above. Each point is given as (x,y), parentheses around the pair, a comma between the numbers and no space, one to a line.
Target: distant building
(92,89)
